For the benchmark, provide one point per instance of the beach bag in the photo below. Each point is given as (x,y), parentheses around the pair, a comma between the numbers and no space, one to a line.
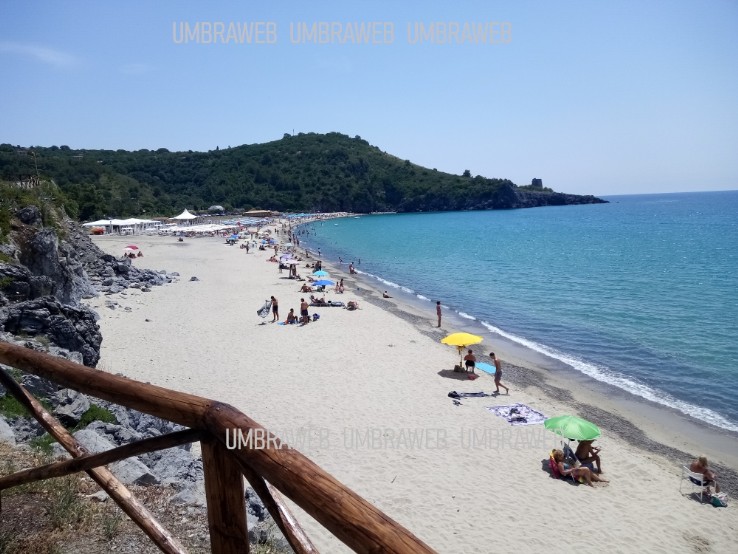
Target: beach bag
(316,317)
(719,500)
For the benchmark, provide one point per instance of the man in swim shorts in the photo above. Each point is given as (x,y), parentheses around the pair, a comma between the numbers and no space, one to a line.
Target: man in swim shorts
(498,374)
(304,318)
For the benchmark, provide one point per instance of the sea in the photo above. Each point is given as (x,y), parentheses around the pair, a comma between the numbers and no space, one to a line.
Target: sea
(640,293)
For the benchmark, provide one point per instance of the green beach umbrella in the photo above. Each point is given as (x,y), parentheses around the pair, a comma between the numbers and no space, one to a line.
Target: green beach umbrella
(572,427)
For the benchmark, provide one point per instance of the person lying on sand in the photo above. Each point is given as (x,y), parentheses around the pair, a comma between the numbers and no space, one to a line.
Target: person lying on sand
(576,472)
(306,288)
(318,301)
(352,305)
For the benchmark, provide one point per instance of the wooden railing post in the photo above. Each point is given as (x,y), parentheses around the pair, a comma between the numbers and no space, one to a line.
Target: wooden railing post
(225,495)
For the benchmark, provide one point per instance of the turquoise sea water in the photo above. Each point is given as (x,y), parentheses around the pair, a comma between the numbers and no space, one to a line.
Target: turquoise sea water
(641,293)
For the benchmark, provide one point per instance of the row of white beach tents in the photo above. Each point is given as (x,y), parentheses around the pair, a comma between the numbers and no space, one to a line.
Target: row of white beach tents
(184,222)
(134,225)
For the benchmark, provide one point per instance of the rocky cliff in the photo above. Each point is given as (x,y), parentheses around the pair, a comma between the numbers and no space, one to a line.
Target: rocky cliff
(44,274)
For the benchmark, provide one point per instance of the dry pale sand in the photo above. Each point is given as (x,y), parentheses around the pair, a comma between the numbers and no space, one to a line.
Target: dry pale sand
(473,484)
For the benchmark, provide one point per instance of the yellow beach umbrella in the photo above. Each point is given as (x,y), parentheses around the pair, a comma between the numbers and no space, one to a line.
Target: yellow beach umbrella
(460,341)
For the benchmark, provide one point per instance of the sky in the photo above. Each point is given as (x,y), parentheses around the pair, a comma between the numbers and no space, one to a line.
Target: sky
(602,98)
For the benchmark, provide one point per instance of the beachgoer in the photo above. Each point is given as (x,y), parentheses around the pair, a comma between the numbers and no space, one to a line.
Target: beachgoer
(498,374)
(586,454)
(438,311)
(352,305)
(470,360)
(700,466)
(351,268)
(247,247)
(291,317)
(306,288)
(304,311)
(275,309)
(140,254)
(576,472)
(385,295)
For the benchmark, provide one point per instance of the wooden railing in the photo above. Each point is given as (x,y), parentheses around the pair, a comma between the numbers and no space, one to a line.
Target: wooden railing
(344,513)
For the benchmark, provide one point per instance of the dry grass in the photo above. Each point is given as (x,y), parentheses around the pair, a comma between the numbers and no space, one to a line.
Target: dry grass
(58,517)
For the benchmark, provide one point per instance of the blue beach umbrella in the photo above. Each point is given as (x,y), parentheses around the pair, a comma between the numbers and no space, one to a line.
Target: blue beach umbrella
(324,283)
(320,273)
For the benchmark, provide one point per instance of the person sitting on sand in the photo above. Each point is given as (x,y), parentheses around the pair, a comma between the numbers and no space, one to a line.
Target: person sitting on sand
(470,360)
(306,288)
(318,301)
(587,454)
(700,466)
(352,305)
(385,295)
(291,317)
(272,259)
(577,473)
(140,254)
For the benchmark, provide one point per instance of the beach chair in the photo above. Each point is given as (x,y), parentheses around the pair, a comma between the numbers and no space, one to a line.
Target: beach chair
(696,480)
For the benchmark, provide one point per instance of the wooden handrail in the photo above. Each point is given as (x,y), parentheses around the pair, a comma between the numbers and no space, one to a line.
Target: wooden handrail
(356,522)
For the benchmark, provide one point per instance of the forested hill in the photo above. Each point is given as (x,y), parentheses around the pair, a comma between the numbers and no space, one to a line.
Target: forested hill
(306,172)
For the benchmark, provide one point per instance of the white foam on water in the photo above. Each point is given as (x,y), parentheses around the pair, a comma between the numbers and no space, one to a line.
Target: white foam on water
(603,374)
(467,316)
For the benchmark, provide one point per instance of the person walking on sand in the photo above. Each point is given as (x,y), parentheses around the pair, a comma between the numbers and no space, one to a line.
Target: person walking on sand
(438,311)
(498,374)
(275,310)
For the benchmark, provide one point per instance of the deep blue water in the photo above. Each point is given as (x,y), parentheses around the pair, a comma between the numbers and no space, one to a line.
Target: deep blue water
(641,293)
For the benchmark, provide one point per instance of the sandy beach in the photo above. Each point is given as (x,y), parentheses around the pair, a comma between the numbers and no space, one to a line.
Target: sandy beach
(364,394)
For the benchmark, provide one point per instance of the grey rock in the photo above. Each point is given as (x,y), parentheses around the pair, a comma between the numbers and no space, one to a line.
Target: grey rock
(72,405)
(7,434)
(39,387)
(193,495)
(130,471)
(178,467)
(193,278)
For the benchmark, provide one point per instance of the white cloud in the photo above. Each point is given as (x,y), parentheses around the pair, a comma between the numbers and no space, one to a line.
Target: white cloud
(49,56)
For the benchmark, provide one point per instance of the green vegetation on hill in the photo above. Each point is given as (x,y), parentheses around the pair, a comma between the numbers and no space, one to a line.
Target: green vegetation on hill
(307,172)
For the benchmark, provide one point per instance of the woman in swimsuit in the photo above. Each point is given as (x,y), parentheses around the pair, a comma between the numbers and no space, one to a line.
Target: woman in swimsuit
(577,473)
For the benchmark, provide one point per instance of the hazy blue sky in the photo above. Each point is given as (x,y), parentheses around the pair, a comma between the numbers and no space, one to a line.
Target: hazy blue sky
(593,97)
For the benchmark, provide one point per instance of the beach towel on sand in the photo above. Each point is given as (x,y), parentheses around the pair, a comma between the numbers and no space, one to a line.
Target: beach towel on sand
(518,414)
(265,309)
(454,394)
(487,368)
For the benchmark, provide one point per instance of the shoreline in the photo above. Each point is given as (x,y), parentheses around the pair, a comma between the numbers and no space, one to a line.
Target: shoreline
(382,368)
(662,424)
(647,425)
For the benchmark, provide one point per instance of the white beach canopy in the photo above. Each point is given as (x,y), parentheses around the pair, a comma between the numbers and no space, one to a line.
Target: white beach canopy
(184,216)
